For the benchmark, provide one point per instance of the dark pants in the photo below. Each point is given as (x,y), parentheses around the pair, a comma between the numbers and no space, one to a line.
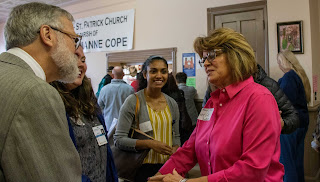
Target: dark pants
(146,171)
(292,153)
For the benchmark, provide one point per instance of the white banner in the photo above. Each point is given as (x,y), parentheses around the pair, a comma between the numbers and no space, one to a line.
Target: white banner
(108,32)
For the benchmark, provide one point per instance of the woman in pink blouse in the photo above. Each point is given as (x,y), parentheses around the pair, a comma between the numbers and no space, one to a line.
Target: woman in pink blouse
(238,130)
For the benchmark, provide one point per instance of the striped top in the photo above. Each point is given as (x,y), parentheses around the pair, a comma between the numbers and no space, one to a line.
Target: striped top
(161,122)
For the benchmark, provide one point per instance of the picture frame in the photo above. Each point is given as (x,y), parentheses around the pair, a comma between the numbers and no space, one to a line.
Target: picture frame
(189,64)
(290,36)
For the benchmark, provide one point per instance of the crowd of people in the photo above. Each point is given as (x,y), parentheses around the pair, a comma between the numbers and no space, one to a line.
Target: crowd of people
(55,128)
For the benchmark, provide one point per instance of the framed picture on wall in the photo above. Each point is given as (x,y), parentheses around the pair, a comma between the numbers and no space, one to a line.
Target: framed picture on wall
(188,64)
(290,37)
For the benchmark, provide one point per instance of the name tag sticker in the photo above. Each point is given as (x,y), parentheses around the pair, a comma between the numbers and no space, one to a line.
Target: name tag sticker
(145,126)
(100,135)
(205,114)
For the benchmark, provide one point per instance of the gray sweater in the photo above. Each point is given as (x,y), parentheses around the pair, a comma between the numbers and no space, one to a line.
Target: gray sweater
(126,117)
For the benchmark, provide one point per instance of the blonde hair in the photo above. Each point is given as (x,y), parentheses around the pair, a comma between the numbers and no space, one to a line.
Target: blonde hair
(289,61)
(240,54)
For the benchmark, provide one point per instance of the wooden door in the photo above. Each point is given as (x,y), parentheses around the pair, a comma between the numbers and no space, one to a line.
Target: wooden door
(251,25)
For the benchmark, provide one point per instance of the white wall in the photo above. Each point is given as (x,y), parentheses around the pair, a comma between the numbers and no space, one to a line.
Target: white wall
(283,11)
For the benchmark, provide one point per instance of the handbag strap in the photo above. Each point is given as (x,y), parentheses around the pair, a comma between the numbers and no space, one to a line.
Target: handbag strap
(136,118)
(136,113)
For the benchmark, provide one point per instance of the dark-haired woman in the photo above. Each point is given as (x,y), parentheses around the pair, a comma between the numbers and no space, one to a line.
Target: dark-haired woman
(185,123)
(159,116)
(85,125)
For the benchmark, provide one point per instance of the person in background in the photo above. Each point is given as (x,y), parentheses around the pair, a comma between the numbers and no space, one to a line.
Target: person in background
(289,115)
(113,95)
(189,94)
(185,123)
(315,144)
(135,83)
(34,139)
(84,117)
(210,88)
(105,80)
(130,74)
(237,134)
(295,84)
(158,111)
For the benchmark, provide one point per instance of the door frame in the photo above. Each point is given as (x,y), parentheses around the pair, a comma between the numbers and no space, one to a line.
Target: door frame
(238,8)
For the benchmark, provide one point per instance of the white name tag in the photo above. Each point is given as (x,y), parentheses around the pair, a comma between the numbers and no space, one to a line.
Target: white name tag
(145,126)
(100,135)
(205,114)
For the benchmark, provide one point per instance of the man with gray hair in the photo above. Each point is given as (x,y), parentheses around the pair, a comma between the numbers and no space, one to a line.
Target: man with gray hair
(34,138)
(113,95)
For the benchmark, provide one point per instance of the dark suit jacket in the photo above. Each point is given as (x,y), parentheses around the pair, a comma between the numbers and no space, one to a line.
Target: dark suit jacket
(34,137)
(189,94)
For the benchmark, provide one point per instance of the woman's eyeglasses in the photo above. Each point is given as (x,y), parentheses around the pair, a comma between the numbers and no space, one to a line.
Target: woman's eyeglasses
(210,56)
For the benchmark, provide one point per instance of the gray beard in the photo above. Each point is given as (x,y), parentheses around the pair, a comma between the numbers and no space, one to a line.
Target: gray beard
(66,62)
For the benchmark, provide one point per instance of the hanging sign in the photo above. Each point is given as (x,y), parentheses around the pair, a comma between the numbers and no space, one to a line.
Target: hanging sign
(108,32)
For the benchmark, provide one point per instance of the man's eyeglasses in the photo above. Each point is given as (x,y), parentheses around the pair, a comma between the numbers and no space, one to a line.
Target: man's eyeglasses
(210,56)
(76,38)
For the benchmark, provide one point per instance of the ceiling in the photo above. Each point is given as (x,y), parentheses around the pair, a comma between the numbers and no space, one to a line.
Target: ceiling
(7,5)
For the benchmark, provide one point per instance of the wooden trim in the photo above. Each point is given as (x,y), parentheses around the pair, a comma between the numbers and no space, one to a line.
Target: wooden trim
(313,108)
(139,56)
(174,63)
(266,39)
(237,8)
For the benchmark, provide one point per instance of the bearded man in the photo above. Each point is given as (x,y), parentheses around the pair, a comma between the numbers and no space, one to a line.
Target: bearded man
(34,138)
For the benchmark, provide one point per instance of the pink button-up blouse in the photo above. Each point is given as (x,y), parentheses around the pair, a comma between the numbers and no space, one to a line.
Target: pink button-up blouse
(240,142)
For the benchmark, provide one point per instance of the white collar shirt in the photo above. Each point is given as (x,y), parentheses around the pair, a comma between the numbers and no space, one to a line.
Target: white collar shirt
(37,69)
